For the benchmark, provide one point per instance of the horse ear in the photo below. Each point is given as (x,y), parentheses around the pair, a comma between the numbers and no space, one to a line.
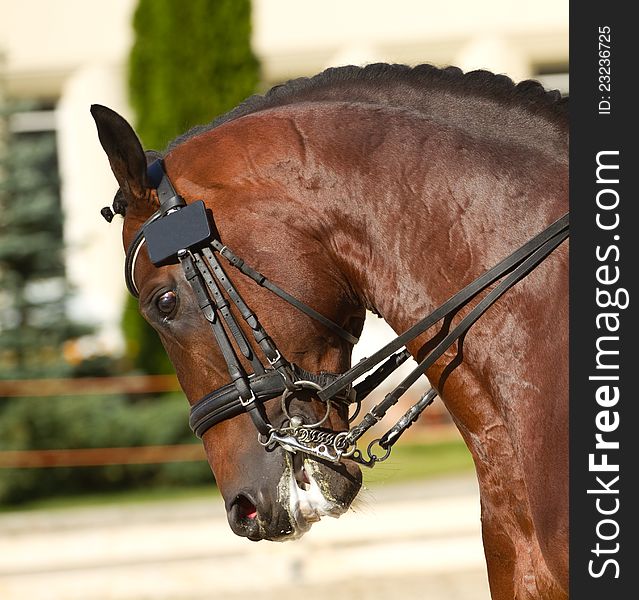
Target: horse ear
(124,150)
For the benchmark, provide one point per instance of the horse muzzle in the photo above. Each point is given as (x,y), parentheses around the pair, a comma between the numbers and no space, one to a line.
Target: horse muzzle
(307,491)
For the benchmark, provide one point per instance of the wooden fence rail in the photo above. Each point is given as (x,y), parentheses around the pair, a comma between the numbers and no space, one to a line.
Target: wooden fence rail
(84,457)
(125,384)
(93,457)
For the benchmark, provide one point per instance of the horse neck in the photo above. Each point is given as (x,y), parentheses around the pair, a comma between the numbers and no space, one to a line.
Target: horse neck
(408,210)
(430,216)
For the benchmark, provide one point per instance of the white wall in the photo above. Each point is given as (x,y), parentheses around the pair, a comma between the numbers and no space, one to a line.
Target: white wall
(94,252)
(295,37)
(74,51)
(47,40)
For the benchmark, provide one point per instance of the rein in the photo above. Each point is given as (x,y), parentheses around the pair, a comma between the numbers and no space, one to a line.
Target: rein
(178,232)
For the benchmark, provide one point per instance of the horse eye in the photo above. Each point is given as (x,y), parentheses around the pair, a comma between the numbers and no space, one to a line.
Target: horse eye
(166,302)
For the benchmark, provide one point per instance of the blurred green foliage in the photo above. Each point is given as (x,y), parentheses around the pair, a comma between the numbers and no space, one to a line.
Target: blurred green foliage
(190,62)
(33,289)
(109,421)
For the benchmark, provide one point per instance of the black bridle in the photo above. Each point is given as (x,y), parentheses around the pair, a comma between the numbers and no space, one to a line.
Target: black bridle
(182,233)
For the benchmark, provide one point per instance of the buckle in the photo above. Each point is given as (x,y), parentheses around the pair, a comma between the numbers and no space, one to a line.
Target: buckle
(277,357)
(247,403)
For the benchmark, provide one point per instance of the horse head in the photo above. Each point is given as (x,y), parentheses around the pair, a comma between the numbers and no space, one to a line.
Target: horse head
(269,492)
(409,191)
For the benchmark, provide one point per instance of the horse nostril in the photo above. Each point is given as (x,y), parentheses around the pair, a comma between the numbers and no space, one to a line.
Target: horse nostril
(244,508)
(243,518)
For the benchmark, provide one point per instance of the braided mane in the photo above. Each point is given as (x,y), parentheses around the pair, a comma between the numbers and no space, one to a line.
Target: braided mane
(480,102)
(447,95)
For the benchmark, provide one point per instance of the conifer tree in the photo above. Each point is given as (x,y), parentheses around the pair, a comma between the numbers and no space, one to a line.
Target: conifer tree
(190,62)
(33,288)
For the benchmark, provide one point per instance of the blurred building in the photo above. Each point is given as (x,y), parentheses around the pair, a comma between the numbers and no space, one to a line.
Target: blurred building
(65,55)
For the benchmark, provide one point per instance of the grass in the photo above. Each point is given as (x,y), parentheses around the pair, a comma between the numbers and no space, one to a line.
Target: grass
(409,461)
(418,461)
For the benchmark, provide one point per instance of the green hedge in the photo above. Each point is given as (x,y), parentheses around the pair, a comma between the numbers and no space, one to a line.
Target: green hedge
(72,422)
(190,62)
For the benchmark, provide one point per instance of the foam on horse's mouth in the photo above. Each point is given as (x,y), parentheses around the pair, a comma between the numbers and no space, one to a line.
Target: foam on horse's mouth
(300,491)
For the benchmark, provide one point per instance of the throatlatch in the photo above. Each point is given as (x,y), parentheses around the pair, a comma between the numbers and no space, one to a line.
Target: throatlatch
(181,233)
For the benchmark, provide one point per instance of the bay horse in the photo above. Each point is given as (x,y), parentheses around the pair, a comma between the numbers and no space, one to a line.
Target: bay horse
(385,188)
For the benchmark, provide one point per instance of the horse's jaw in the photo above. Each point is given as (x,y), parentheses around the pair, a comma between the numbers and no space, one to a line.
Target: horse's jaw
(308,498)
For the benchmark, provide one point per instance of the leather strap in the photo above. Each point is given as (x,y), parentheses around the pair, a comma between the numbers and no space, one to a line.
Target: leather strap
(239,378)
(224,403)
(262,281)
(132,256)
(261,337)
(222,305)
(522,269)
(453,304)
